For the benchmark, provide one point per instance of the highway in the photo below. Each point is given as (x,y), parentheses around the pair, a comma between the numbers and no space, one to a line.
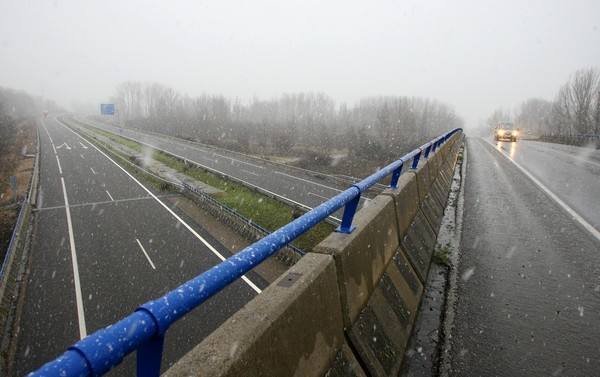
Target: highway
(528,287)
(291,185)
(104,244)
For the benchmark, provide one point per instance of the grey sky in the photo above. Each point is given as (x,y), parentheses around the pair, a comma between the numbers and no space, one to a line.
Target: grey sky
(475,55)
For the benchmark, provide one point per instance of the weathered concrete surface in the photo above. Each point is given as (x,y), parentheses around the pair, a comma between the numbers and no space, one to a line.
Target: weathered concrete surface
(418,243)
(294,328)
(382,330)
(362,256)
(406,199)
(423,179)
(345,364)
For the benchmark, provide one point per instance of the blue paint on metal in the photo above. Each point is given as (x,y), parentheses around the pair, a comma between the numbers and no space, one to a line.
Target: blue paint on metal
(144,329)
(107,109)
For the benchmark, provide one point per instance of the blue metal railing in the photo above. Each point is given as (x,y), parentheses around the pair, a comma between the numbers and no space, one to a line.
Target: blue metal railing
(144,329)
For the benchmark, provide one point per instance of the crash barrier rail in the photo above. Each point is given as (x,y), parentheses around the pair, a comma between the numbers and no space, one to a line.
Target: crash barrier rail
(144,330)
(29,200)
(205,197)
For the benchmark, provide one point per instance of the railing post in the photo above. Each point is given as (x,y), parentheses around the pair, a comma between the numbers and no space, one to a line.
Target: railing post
(349,211)
(149,357)
(396,176)
(415,162)
(427,150)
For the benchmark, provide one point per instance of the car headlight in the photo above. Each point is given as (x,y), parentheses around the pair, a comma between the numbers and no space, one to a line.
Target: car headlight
(514,133)
(500,132)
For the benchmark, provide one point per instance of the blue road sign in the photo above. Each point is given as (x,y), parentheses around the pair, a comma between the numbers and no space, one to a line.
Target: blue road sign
(107,109)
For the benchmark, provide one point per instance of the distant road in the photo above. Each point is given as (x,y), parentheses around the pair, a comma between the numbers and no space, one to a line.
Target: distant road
(291,185)
(103,245)
(528,275)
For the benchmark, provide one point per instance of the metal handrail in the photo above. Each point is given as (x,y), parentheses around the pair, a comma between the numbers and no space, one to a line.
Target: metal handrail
(145,328)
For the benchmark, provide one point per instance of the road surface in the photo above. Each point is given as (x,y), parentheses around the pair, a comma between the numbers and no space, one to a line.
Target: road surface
(292,186)
(572,173)
(529,272)
(103,245)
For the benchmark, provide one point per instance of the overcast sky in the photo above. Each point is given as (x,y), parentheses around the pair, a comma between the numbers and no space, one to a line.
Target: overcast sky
(474,55)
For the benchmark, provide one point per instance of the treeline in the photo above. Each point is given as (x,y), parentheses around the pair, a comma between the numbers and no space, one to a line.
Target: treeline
(15,106)
(375,128)
(575,109)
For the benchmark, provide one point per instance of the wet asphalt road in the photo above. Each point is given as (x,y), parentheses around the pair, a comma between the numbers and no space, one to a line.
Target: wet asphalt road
(529,275)
(110,213)
(572,173)
(292,185)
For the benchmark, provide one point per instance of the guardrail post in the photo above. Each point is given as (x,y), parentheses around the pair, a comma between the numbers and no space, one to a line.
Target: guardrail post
(427,150)
(415,162)
(349,211)
(396,176)
(149,357)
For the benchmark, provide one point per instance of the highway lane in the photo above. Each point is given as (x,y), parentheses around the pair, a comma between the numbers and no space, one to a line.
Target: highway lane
(293,186)
(128,248)
(528,279)
(572,173)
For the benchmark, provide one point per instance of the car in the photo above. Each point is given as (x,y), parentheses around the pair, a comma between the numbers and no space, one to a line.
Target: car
(505,131)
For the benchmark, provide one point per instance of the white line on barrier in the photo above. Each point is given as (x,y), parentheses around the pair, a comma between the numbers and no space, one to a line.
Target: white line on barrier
(594,232)
(78,296)
(188,227)
(146,254)
(109,195)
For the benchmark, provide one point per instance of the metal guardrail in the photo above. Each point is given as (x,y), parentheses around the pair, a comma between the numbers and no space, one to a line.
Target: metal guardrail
(31,192)
(144,330)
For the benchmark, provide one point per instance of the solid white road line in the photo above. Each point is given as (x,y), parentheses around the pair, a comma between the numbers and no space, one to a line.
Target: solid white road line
(249,172)
(78,296)
(234,159)
(146,254)
(188,227)
(564,205)
(307,181)
(109,195)
(49,137)
(58,162)
(92,169)
(318,196)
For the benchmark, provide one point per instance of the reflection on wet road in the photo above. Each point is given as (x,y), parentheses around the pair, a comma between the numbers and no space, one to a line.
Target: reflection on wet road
(529,275)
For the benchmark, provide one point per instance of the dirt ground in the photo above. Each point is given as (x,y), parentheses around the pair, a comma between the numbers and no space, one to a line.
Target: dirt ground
(21,157)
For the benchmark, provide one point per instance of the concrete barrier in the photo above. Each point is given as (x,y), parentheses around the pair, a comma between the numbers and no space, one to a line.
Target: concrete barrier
(349,307)
(294,328)
(362,256)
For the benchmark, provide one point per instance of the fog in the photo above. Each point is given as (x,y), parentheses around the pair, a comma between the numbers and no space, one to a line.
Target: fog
(474,55)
